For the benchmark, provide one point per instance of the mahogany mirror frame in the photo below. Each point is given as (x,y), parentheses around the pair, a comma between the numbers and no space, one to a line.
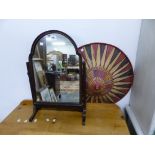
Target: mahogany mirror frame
(81,107)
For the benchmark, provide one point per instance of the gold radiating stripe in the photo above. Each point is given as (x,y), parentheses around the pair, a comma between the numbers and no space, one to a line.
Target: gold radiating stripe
(87,58)
(116,67)
(120,69)
(110,93)
(121,83)
(116,91)
(87,65)
(122,78)
(109,98)
(104,97)
(118,75)
(111,65)
(103,57)
(120,88)
(93,58)
(109,58)
(98,56)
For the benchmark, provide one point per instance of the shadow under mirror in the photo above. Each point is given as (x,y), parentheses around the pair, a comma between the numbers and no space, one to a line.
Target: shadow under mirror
(56,65)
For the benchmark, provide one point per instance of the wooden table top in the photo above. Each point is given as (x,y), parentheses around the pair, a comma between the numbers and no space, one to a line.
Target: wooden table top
(102,119)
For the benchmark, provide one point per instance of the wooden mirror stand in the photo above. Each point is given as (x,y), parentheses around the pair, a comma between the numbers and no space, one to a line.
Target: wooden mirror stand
(56,74)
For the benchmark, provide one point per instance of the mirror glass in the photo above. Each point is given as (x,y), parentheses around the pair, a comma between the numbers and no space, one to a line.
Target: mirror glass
(56,69)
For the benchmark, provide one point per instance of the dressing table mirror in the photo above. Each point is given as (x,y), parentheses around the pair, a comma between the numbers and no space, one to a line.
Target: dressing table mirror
(56,74)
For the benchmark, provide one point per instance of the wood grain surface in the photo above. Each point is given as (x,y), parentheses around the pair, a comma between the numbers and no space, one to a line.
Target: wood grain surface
(102,119)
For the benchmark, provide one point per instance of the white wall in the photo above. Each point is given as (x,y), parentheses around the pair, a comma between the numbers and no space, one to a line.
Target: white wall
(16,37)
(143,91)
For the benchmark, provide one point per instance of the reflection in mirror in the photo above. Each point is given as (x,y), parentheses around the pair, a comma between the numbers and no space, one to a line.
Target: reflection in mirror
(56,68)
